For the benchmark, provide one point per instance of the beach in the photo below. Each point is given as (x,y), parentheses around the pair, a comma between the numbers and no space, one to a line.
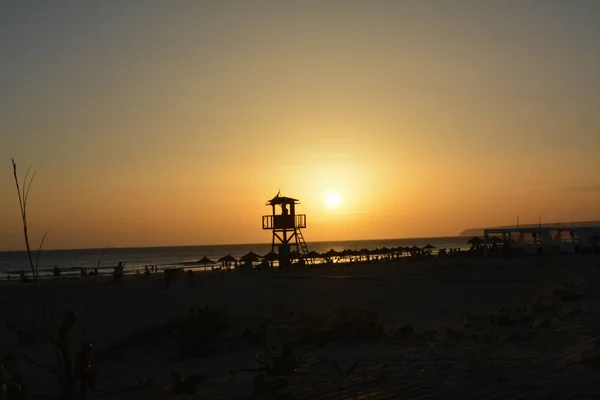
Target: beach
(434,328)
(135,259)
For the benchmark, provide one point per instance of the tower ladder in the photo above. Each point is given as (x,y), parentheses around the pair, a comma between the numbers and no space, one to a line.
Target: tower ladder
(302,242)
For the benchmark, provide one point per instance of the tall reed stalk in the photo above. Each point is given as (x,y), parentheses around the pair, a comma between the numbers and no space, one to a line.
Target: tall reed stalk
(23,193)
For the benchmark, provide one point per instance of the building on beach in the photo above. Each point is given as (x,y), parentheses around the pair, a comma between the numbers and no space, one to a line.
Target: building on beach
(538,240)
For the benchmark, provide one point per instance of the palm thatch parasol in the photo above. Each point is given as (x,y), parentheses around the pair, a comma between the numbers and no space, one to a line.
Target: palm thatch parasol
(475,241)
(345,253)
(385,250)
(250,257)
(227,258)
(294,255)
(331,253)
(313,254)
(205,261)
(271,256)
(429,247)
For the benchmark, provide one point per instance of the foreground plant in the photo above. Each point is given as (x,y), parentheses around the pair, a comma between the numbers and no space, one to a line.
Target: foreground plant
(181,386)
(200,334)
(273,387)
(281,364)
(23,193)
(11,384)
(75,374)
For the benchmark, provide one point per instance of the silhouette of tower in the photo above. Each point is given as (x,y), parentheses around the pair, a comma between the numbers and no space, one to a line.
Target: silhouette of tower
(286,226)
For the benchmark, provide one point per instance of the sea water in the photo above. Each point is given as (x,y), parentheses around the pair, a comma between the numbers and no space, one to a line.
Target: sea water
(135,259)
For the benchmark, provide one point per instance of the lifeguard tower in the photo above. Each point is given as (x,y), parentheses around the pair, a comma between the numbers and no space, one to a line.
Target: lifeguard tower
(286,226)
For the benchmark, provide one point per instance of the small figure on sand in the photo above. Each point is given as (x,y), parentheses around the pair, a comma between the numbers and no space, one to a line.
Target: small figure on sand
(118,276)
(147,271)
(56,272)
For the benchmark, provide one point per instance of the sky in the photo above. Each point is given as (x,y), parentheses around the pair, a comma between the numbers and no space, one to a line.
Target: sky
(153,123)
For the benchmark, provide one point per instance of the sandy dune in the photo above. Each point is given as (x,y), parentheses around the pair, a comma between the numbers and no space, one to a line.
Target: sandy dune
(521,328)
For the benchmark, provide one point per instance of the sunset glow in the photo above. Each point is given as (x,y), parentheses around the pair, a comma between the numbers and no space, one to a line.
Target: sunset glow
(162,124)
(333,200)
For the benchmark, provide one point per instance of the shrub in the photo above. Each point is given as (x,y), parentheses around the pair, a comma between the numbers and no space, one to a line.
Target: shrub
(200,332)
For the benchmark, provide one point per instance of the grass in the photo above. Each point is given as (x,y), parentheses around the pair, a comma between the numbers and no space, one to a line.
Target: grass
(23,194)
(75,374)
(318,328)
(200,332)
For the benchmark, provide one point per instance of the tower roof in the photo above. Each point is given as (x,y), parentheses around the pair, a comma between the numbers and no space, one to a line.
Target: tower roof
(278,199)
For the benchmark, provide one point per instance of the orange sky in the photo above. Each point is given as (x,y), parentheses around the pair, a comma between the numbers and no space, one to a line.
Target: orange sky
(158,124)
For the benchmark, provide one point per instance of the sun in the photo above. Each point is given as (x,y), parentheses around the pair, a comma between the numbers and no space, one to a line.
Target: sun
(333,200)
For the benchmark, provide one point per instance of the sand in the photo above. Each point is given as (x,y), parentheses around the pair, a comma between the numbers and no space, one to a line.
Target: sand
(495,328)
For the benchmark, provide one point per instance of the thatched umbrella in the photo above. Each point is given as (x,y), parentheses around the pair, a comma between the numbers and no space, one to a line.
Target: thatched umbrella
(294,255)
(385,250)
(331,253)
(250,257)
(475,241)
(271,256)
(363,253)
(428,248)
(205,261)
(313,254)
(346,253)
(227,260)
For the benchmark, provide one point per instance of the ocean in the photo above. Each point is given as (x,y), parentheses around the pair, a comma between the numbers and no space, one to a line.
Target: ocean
(135,259)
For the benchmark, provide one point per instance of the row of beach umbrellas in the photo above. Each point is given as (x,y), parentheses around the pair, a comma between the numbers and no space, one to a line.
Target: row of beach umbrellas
(272,256)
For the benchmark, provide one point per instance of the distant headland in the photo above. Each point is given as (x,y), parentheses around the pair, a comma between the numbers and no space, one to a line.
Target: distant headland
(479,231)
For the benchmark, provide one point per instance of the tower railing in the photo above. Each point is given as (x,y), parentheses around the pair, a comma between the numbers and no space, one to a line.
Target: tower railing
(300,221)
(297,221)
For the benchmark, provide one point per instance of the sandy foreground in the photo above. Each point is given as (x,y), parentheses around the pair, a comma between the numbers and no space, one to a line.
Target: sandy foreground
(526,328)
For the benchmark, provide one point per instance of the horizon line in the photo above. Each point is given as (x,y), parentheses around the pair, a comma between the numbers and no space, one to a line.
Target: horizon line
(227,244)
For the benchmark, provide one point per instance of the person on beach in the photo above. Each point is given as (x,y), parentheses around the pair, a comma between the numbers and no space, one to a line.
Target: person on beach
(56,272)
(147,271)
(118,276)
